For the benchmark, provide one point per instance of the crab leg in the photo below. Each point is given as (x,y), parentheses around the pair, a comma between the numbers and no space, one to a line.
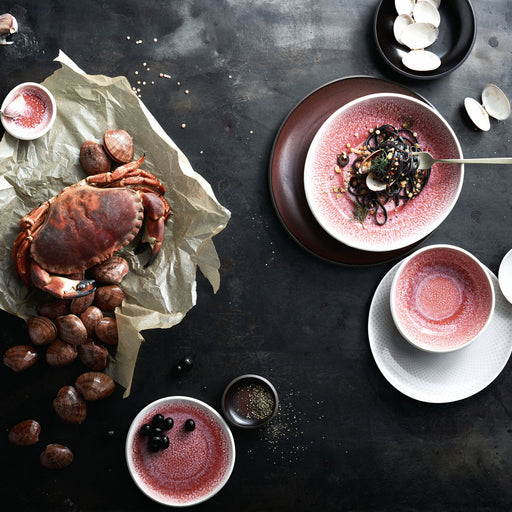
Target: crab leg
(135,179)
(59,286)
(157,213)
(21,252)
(107,178)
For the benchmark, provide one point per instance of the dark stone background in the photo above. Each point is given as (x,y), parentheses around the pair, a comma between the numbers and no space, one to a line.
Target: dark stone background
(344,439)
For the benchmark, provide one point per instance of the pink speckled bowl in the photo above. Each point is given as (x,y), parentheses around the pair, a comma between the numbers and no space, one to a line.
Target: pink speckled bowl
(406,224)
(441,298)
(195,466)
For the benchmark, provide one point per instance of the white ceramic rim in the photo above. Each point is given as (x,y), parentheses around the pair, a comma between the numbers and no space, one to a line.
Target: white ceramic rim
(198,403)
(505,277)
(397,275)
(21,133)
(409,240)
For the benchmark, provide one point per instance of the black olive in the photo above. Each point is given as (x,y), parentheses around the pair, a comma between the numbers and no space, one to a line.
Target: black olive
(157,431)
(157,420)
(168,423)
(154,443)
(145,429)
(343,159)
(190,425)
(164,442)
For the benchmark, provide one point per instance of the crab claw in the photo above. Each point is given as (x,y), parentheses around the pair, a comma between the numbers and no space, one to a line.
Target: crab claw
(60,286)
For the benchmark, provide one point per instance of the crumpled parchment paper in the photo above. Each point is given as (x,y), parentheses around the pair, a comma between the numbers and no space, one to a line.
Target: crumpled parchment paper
(31,172)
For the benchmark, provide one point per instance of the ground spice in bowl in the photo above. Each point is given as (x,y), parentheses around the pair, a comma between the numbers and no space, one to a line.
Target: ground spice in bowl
(249,401)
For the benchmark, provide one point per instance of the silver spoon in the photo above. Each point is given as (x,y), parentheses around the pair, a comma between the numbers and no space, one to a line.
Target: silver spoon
(426,160)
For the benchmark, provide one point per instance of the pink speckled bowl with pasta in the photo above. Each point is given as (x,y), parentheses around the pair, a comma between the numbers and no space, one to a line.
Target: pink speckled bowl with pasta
(325,185)
(442,298)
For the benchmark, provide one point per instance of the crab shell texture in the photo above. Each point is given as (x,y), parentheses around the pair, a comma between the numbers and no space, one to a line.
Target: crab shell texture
(85,224)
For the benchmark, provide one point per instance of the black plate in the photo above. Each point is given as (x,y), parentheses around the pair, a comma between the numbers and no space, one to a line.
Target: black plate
(457,35)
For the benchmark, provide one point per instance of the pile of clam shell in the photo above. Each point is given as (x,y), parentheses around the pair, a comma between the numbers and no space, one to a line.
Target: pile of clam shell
(117,148)
(83,328)
(417,27)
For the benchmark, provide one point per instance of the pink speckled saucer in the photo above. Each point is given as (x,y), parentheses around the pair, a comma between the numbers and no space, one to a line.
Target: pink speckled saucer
(350,125)
(441,298)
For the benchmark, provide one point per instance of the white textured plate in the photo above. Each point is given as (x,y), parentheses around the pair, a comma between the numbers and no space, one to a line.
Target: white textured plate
(438,378)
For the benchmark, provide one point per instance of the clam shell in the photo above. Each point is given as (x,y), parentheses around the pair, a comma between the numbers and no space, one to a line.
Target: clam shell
(401,21)
(119,145)
(69,405)
(20,357)
(478,114)
(25,433)
(93,355)
(495,102)
(71,329)
(94,158)
(59,353)
(404,6)
(435,3)
(41,330)
(56,456)
(426,12)
(417,36)
(94,385)
(421,60)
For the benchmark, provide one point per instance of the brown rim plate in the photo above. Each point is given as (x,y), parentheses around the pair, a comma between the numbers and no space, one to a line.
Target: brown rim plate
(286,169)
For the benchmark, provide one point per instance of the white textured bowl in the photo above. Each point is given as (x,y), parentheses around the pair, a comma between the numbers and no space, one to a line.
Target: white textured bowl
(407,224)
(442,298)
(48,118)
(190,457)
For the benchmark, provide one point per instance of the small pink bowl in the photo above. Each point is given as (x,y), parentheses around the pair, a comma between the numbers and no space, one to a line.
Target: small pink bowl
(39,113)
(441,298)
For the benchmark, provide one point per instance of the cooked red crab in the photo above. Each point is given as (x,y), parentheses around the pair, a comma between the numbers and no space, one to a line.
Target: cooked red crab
(85,224)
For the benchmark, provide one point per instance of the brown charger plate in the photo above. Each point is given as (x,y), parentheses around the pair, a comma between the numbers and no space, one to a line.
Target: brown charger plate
(286,169)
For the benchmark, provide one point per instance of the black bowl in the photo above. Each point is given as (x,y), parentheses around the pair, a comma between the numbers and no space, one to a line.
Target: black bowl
(457,35)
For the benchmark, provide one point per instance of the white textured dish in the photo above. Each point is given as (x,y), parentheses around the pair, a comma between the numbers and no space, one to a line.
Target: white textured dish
(438,378)
(193,462)
(47,118)
(505,276)
(406,224)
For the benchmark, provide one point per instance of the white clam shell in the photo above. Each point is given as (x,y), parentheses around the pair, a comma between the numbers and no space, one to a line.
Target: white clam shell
(478,114)
(435,3)
(404,6)
(401,21)
(426,12)
(421,60)
(495,102)
(419,35)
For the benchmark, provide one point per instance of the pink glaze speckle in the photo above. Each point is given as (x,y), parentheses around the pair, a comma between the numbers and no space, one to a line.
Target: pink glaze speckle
(442,298)
(193,466)
(407,223)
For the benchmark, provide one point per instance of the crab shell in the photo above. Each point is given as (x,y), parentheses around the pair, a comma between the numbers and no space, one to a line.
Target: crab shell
(85,226)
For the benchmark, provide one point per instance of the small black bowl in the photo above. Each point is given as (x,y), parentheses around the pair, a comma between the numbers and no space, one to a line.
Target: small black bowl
(249,401)
(457,35)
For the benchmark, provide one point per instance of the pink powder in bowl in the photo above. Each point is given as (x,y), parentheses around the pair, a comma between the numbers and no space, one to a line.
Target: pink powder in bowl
(441,298)
(196,465)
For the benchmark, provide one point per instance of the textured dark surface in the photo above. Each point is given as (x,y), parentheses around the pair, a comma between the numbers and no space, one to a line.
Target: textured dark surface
(344,439)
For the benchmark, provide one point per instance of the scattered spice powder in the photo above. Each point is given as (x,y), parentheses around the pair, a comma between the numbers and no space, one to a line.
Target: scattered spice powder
(254,402)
